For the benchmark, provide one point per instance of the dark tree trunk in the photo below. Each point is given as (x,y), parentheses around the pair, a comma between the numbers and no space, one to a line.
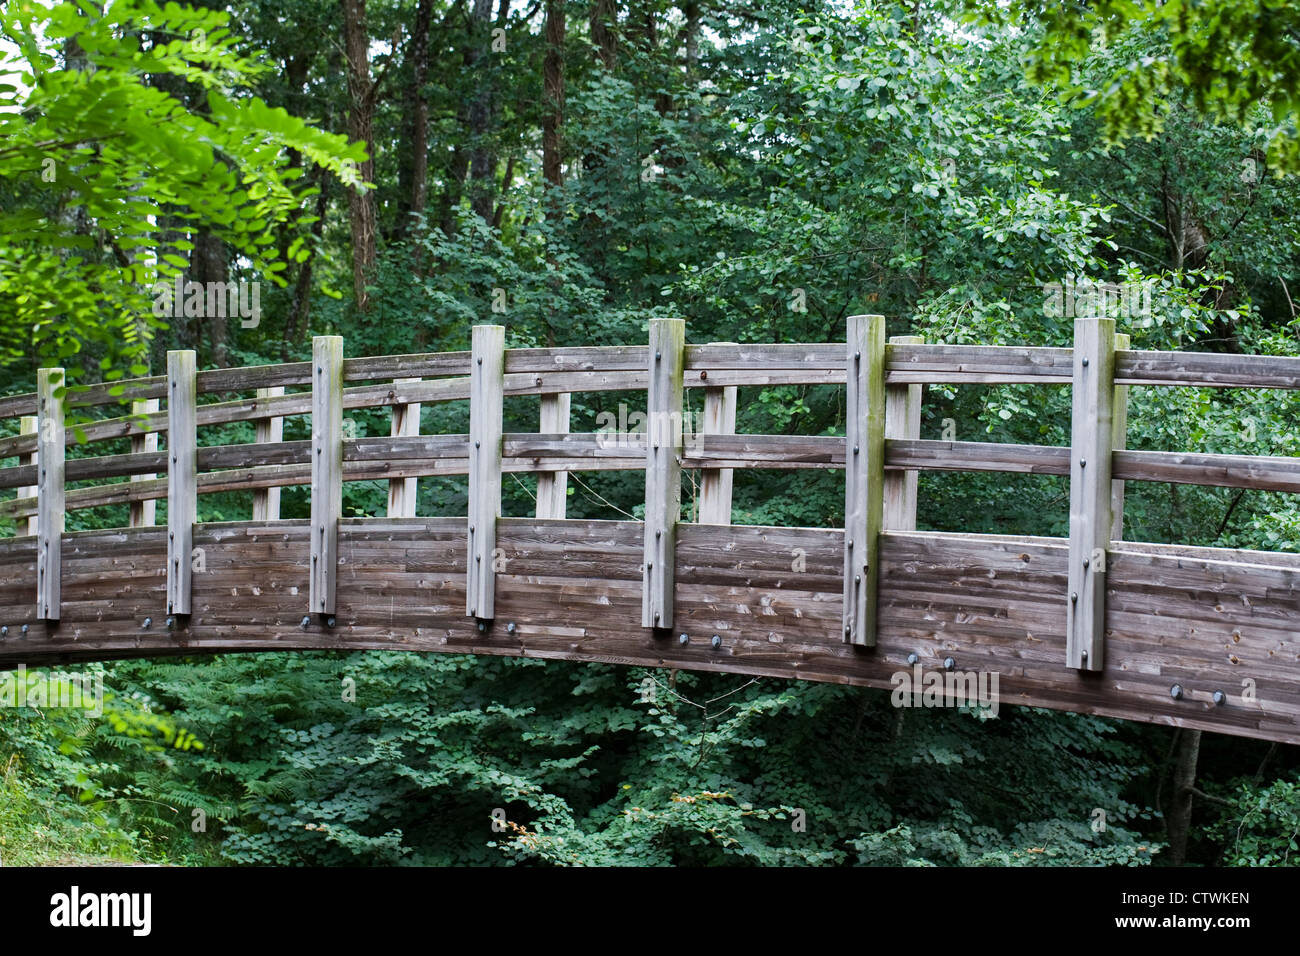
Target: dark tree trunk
(361,105)
(1178,821)
(481,161)
(413,176)
(553,85)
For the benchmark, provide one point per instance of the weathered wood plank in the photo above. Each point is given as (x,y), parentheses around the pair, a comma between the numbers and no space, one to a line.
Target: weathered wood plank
(553,486)
(485,409)
(864,475)
(1119,441)
(143,512)
(182,479)
(269,431)
(50,512)
(326,471)
(403,492)
(991,602)
(902,421)
(1091,431)
(663,482)
(719,418)
(28,425)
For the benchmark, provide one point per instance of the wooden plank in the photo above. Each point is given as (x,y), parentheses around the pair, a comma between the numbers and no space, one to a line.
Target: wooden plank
(182,479)
(663,474)
(716,483)
(1207,370)
(487,374)
(49,492)
(1091,435)
(902,421)
(269,431)
(326,470)
(1118,442)
(144,513)
(16,406)
(864,475)
(403,492)
(553,486)
(27,425)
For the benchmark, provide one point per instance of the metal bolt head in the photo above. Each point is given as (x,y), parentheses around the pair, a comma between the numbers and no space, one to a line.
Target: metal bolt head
(1220,698)
(511,628)
(1074,597)
(4,631)
(949,663)
(912,658)
(716,641)
(148,623)
(26,628)
(1176,692)
(330,622)
(482,627)
(171,622)
(683,639)
(1085,361)
(305,622)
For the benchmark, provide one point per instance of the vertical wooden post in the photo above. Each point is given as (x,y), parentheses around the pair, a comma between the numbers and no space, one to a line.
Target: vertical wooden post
(553,486)
(266,501)
(1091,434)
(50,447)
(1119,439)
(402,492)
(663,472)
(902,421)
(326,468)
(27,425)
(864,475)
(486,398)
(182,478)
(144,514)
(715,483)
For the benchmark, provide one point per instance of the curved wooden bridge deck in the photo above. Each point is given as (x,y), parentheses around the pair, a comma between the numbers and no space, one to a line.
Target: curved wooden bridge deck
(1199,637)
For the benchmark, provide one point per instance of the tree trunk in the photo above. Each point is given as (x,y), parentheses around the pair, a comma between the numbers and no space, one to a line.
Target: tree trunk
(1178,821)
(603,20)
(480,158)
(361,201)
(413,176)
(209,265)
(553,84)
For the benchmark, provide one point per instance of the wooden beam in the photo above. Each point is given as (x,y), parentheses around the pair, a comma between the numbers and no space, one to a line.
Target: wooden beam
(326,469)
(663,473)
(27,425)
(553,486)
(182,478)
(1119,441)
(144,513)
(902,422)
(864,475)
(1091,436)
(51,442)
(269,431)
(715,483)
(402,492)
(486,397)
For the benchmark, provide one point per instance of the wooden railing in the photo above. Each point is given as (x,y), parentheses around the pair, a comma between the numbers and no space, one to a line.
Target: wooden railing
(880,454)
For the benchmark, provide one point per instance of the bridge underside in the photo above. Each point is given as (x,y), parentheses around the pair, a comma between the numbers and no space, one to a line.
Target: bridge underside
(1203,619)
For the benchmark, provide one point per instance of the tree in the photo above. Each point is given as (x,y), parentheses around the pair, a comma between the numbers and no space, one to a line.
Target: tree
(94,159)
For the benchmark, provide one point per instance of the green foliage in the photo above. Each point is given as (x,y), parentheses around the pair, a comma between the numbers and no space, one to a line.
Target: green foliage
(1260,825)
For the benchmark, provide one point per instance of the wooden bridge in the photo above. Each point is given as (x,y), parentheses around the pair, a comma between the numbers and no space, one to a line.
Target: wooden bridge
(1197,637)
